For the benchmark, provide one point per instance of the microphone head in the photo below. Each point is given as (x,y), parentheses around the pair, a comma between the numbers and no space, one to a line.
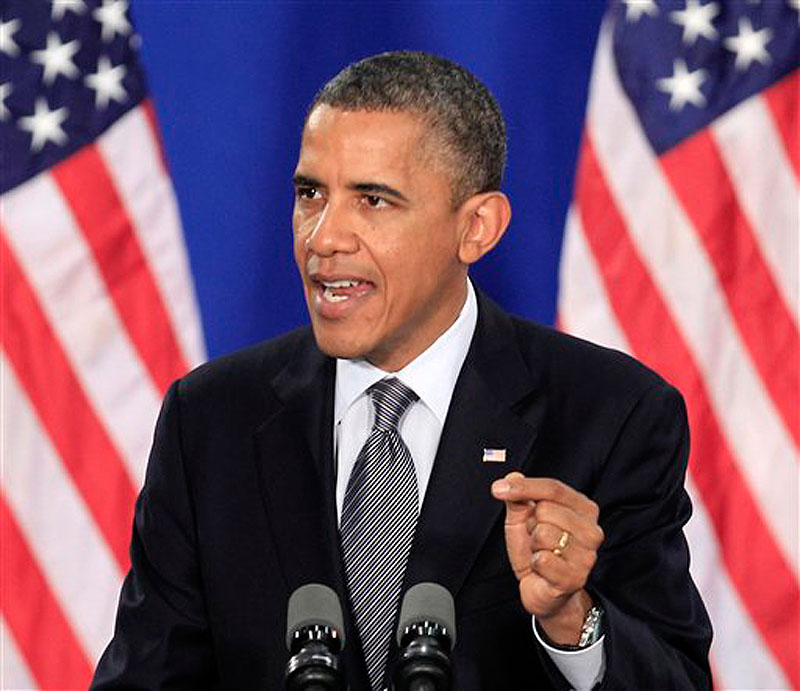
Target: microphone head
(428,602)
(314,604)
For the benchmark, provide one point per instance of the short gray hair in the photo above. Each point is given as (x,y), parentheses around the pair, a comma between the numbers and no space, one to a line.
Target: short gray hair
(458,109)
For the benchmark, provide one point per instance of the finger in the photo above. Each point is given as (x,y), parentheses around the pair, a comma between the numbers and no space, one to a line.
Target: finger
(516,528)
(517,509)
(530,521)
(581,529)
(539,596)
(557,571)
(548,538)
(515,487)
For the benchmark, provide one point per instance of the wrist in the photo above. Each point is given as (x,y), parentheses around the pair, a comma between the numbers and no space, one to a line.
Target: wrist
(564,628)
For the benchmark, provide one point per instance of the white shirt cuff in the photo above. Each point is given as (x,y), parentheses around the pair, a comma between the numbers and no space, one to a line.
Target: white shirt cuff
(581,668)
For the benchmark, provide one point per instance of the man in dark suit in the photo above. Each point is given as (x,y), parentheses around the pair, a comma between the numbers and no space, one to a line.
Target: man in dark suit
(548,471)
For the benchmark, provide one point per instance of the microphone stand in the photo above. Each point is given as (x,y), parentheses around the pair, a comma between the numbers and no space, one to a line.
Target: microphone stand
(423,663)
(314,665)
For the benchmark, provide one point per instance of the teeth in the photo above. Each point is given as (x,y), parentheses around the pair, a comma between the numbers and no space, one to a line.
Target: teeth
(330,296)
(341,283)
(329,288)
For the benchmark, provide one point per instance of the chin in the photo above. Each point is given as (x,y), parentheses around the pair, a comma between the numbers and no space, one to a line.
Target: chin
(338,347)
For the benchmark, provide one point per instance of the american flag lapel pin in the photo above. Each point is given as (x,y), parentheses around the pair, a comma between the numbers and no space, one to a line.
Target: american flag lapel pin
(494,455)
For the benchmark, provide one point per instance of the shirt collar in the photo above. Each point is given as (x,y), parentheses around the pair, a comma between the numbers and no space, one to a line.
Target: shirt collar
(432,375)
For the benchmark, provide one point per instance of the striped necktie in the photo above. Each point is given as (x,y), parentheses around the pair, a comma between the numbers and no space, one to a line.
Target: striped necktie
(379,516)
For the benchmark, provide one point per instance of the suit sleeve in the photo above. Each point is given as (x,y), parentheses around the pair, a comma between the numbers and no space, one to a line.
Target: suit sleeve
(656,627)
(161,637)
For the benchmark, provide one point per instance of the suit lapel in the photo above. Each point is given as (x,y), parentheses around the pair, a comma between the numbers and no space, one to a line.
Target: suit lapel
(496,405)
(296,471)
(298,483)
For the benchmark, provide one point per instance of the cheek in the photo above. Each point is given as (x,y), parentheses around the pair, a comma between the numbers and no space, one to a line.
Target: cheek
(300,230)
(301,257)
(416,263)
(303,221)
(433,255)
(299,250)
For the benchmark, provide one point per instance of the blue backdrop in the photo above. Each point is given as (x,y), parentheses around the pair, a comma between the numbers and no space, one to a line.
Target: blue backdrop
(231,81)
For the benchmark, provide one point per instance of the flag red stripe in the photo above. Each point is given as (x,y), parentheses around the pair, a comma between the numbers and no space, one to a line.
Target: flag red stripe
(152,119)
(783,100)
(61,404)
(754,562)
(42,632)
(712,663)
(100,214)
(697,174)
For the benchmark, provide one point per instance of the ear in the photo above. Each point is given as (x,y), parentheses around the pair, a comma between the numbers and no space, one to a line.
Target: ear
(485,219)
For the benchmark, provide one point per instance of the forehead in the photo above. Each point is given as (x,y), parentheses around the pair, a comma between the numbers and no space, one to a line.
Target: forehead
(362,139)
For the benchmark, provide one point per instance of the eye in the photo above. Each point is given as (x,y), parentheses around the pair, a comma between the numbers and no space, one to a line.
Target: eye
(307,192)
(374,201)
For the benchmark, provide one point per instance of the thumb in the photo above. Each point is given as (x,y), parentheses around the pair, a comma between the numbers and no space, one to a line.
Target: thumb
(516,509)
(516,531)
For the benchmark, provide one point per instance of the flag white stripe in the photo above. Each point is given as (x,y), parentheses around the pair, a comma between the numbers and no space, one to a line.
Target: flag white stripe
(132,157)
(588,309)
(61,269)
(680,269)
(14,673)
(584,308)
(762,178)
(741,660)
(44,500)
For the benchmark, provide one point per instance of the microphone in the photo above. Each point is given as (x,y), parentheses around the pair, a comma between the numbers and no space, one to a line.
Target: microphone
(426,634)
(314,637)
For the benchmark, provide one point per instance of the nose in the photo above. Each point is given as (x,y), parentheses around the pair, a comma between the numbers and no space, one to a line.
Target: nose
(332,233)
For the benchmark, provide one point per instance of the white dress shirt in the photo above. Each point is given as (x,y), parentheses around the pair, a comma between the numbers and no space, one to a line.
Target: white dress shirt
(432,376)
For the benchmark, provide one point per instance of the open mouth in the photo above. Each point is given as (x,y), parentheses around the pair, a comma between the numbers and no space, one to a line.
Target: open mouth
(343,289)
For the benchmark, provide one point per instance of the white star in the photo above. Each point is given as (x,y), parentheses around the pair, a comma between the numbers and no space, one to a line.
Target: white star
(5,90)
(683,86)
(696,20)
(112,16)
(795,5)
(57,58)
(7,31)
(107,83)
(62,6)
(749,45)
(636,8)
(45,125)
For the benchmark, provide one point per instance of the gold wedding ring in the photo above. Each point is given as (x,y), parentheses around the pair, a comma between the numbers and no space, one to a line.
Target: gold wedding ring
(563,541)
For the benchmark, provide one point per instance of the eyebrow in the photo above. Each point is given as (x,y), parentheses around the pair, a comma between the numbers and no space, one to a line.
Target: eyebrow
(303,181)
(363,187)
(371,187)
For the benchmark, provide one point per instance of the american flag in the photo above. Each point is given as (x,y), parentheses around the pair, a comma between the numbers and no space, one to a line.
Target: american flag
(494,455)
(98,316)
(682,248)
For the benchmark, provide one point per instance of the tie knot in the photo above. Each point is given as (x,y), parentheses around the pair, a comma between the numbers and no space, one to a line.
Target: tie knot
(391,399)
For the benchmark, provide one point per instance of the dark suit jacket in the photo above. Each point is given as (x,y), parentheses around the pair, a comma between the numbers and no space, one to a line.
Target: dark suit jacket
(238,510)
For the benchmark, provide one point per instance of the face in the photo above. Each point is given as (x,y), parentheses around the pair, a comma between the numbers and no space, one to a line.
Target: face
(375,238)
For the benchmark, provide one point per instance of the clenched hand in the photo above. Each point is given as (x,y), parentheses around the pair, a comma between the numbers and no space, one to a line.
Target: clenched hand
(552,538)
